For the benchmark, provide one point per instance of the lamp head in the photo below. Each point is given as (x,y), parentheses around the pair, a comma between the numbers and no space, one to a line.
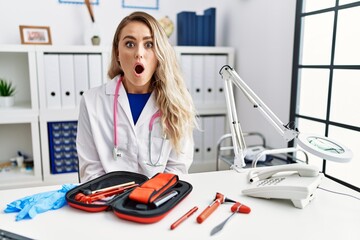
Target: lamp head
(325,148)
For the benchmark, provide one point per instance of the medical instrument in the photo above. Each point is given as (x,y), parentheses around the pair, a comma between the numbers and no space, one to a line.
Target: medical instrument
(163,199)
(219,199)
(88,191)
(116,150)
(236,208)
(183,218)
(101,195)
(306,141)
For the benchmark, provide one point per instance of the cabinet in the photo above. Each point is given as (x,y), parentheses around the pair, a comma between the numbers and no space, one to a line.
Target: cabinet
(45,96)
(19,126)
(64,73)
(50,81)
(201,66)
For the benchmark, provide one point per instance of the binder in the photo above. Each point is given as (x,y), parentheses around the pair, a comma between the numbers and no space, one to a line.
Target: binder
(66,65)
(197,78)
(186,28)
(81,75)
(211,25)
(185,63)
(182,29)
(208,138)
(221,60)
(219,129)
(52,80)
(206,30)
(200,31)
(210,77)
(95,70)
(198,145)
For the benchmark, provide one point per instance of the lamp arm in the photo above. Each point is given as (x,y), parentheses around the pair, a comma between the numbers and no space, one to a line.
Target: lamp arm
(230,77)
(320,146)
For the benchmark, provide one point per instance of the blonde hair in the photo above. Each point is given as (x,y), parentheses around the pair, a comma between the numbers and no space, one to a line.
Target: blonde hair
(172,97)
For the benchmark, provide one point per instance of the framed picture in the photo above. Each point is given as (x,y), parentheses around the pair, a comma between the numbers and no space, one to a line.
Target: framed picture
(35,35)
(143,4)
(93,2)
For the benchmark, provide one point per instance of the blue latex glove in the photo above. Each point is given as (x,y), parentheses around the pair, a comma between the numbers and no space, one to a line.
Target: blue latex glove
(30,206)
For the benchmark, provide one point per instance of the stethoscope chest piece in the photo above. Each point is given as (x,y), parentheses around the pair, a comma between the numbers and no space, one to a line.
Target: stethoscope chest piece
(116,153)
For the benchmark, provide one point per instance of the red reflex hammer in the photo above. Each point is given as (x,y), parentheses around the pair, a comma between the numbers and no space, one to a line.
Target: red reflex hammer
(241,208)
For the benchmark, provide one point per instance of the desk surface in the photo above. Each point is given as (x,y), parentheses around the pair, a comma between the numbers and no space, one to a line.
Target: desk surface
(328,216)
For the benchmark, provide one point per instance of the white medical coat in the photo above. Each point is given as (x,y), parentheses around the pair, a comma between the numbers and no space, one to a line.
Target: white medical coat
(95,137)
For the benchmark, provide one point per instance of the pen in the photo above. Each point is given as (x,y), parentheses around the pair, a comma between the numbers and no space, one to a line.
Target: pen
(183,218)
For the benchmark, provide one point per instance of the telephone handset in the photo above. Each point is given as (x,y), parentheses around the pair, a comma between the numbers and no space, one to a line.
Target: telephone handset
(296,182)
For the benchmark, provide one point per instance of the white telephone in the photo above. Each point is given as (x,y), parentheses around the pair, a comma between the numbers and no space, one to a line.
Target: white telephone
(296,182)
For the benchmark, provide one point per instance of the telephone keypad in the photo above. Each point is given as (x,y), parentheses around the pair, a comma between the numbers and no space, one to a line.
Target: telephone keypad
(270,181)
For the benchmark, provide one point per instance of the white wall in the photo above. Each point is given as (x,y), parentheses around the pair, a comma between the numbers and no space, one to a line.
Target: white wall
(261,31)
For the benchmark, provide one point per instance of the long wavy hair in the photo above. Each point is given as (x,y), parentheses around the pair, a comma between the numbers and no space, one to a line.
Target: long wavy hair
(172,97)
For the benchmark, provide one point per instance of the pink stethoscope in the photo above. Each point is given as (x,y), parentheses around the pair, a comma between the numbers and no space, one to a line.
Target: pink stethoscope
(116,151)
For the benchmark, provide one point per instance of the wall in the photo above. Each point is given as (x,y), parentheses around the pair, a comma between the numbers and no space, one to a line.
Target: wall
(263,34)
(261,31)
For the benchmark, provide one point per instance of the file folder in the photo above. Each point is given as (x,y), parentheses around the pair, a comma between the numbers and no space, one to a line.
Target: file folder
(186,28)
(66,64)
(197,78)
(200,31)
(219,129)
(185,63)
(198,151)
(52,80)
(95,70)
(210,19)
(208,139)
(221,60)
(81,73)
(210,77)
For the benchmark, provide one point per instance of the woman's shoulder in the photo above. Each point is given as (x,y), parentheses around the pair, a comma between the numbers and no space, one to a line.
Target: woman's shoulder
(102,89)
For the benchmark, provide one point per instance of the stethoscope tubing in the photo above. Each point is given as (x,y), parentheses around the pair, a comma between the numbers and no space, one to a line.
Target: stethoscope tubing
(152,120)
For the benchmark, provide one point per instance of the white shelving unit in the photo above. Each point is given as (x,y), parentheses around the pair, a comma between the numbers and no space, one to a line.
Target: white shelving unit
(24,126)
(201,66)
(19,126)
(50,114)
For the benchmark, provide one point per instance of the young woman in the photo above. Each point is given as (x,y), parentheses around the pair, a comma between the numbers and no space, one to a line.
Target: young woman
(143,119)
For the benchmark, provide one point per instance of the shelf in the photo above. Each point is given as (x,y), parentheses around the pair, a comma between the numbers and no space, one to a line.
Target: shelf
(12,48)
(15,177)
(20,112)
(53,115)
(23,136)
(204,109)
(190,50)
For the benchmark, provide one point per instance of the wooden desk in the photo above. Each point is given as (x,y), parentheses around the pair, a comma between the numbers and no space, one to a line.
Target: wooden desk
(328,216)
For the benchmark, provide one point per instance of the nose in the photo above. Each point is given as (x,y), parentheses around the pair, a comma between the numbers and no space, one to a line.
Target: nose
(139,53)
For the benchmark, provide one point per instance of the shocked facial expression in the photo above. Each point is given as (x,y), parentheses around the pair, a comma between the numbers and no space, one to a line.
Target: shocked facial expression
(137,57)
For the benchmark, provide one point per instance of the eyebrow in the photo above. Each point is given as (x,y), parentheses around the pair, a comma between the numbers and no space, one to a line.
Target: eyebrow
(133,38)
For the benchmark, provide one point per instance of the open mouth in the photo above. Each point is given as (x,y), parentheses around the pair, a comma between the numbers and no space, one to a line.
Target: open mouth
(139,69)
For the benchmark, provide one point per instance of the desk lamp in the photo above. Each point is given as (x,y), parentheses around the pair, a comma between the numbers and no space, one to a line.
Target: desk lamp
(320,146)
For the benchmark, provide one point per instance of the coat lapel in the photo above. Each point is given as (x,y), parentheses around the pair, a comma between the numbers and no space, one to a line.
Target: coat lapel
(149,110)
